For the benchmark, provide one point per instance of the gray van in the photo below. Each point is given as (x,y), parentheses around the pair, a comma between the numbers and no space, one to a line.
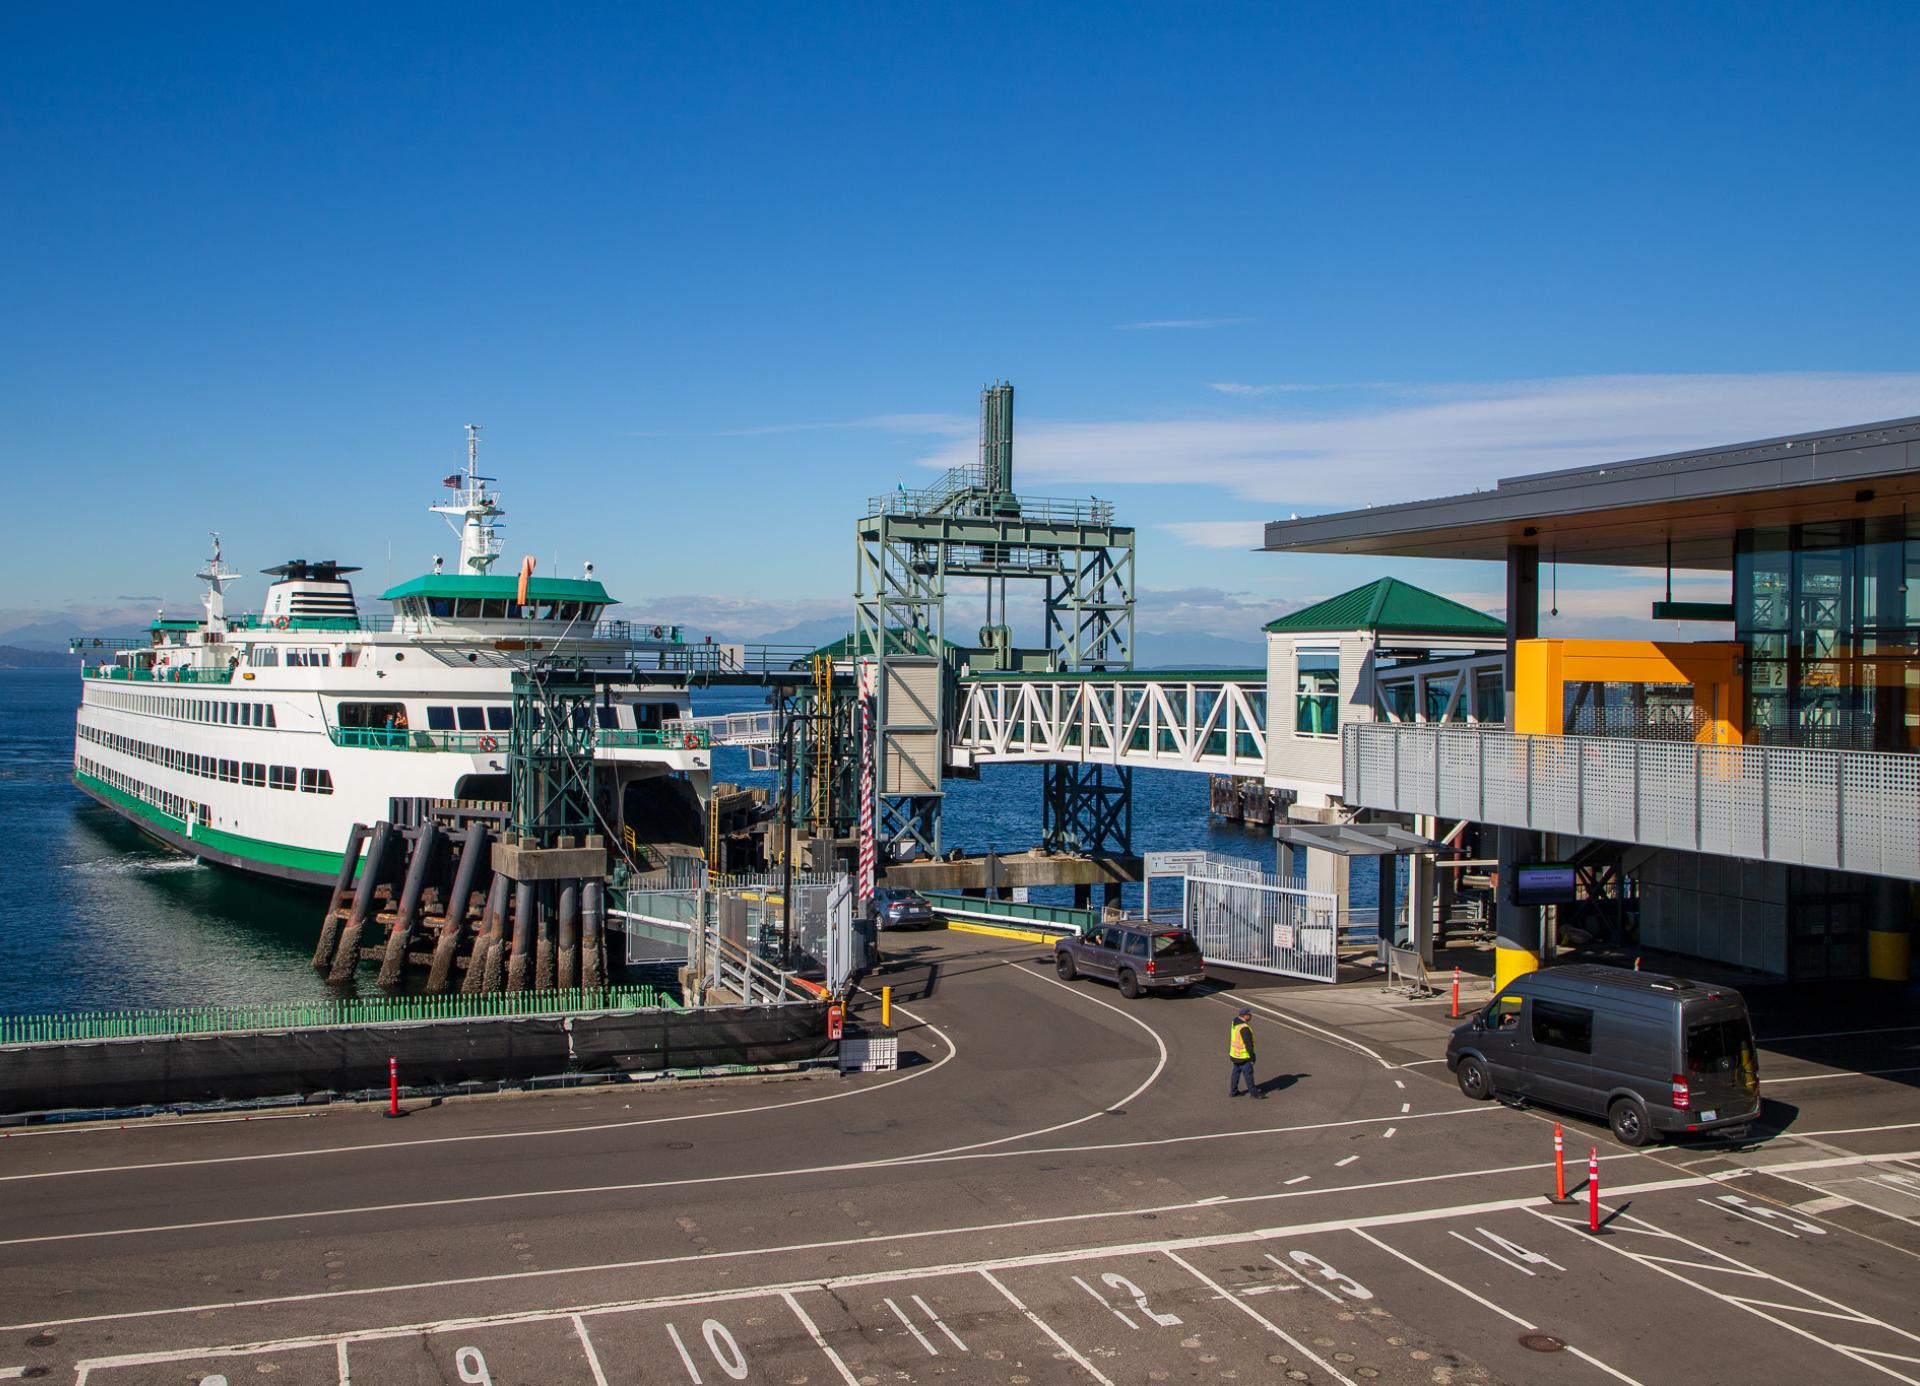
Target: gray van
(1654,1055)
(1139,955)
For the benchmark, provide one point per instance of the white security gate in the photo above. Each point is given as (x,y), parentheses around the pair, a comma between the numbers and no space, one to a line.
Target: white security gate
(1268,928)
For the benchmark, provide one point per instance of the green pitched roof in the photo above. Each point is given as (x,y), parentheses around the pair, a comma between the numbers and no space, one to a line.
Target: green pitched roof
(502,585)
(1391,605)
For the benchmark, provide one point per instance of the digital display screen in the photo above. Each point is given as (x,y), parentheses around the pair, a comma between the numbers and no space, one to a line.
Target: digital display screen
(1542,883)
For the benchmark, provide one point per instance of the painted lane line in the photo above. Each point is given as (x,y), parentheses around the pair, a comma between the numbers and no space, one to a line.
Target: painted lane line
(1217,1198)
(1295,1272)
(894,1275)
(1260,1318)
(1387,1134)
(431,1141)
(1299,1179)
(12,1373)
(340,1362)
(1047,1329)
(1837,1034)
(1405,1107)
(586,1346)
(1337,1164)
(1416,1063)
(813,1332)
(1399,1083)
(1720,1207)
(1488,1251)
(940,1323)
(1803,1309)
(1863,1131)
(1109,1110)
(1101,1299)
(1486,1303)
(686,1358)
(1305,1027)
(912,1328)
(586,1190)
(1843,1073)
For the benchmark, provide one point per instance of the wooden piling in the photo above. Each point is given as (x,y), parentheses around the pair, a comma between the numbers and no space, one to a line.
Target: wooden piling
(339,903)
(522,954)
(347,956)
(486,941)
(569,935)
(453,923)
(543,974)
(393,964)
(593,957)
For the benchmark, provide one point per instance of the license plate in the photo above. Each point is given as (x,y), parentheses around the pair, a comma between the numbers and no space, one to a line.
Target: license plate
(1709,1116)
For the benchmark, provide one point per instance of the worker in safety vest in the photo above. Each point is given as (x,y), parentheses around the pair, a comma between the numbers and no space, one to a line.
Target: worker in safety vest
(1240,1050)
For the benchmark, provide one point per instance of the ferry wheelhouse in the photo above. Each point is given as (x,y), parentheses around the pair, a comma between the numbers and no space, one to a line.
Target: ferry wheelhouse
(256,741)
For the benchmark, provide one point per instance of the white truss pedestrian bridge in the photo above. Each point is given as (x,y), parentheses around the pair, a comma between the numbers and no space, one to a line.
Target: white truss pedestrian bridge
(1209,720)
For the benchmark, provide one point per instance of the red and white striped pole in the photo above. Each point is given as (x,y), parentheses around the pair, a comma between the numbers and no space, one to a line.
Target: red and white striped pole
(1559,1165)
(1593,1189)
(1456,992)
(393,1085)
(865,886)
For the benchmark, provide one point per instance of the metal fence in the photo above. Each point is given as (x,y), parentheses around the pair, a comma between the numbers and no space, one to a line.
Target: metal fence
(1264,927)
(1844,810)
(379,1010)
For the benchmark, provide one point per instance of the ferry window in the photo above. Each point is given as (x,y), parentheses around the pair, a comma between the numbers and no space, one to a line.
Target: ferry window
(264,656)
(322,657)
(494,609)
(378,716)
(1317,702)
(1563,1027)
(281,777)
(253,773)
(499,718)
(441,607)
(440,719)
(270,719)
(472,718)
(316,782)
(466,609)
(230,771)
(609,717)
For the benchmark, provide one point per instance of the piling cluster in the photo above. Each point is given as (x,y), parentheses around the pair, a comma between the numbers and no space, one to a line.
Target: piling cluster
(423,900)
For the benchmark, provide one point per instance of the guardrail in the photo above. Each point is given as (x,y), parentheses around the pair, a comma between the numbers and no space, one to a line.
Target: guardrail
(487,742)
(380,1010)
(1843,810)
(119,673)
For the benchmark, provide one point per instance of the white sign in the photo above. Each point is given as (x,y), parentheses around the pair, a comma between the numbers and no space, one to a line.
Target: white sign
(1020,895)
(1175,863)
(1283,936)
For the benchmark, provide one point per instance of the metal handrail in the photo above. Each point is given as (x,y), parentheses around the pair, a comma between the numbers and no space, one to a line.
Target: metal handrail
(121,673)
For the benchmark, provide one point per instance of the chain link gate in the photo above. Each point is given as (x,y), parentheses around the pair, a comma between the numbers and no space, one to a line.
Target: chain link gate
(1266,928)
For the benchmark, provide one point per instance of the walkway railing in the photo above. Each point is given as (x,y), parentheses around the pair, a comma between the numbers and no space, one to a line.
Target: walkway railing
(488,742)
(378,1010)
(1064,919)
(1844,810)
(121,674)
(1177,721)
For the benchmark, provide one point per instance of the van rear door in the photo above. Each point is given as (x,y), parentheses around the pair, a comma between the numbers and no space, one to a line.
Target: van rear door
(1721,1068)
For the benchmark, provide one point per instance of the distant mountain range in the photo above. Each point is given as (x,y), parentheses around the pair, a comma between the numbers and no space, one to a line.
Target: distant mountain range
(18,657)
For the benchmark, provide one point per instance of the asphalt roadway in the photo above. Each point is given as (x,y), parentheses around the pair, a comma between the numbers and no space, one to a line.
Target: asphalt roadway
(1054,1188)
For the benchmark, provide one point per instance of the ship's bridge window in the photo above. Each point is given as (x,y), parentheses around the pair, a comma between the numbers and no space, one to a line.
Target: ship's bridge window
(472,718)
(499,717)
(263,656)
(440,607)
(440,719)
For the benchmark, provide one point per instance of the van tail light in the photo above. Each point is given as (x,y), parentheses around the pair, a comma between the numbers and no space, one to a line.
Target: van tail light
(1149,967)
(1682,1096)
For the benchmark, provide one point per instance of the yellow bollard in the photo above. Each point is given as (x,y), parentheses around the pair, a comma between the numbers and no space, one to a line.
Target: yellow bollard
(886,1008)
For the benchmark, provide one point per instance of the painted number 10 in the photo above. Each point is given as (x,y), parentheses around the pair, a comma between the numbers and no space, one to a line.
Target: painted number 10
(725,1351)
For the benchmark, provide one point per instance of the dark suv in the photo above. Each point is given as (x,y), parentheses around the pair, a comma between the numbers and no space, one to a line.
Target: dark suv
(902,909)
(1139,955)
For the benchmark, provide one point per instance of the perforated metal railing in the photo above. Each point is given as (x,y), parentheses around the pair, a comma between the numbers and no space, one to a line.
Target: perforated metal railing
(1845,810)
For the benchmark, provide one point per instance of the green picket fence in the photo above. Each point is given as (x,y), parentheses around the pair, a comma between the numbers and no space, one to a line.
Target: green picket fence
(374,1010)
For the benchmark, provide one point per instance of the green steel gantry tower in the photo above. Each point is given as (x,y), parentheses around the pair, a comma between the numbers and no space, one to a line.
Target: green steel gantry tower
(971,524)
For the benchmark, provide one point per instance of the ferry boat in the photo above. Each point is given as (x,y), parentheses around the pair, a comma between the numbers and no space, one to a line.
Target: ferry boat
(257,741)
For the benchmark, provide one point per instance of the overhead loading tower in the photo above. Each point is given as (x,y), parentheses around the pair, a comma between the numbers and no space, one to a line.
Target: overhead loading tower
(971,524)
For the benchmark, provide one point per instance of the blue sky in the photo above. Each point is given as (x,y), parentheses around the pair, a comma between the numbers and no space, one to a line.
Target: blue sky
(709,276)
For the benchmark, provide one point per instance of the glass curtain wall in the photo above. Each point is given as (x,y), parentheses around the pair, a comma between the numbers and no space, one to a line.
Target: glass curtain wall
(1830,615)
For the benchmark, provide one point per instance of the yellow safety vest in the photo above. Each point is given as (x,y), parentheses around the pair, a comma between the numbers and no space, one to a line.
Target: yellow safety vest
(1240,1041)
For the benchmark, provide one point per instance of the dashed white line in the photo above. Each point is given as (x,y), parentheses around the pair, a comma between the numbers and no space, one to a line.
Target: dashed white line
(813,1332)
(586,1345)
(1398,1083)
(1405,1107)
(1299,1179)
(1345,1161)
(912,1328)
(1387,1134)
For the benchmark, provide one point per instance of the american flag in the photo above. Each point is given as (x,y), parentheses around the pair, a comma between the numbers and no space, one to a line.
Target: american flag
(453,481)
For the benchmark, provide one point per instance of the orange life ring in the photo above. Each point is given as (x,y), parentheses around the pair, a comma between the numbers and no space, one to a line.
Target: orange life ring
(691,741)
(280,623)
(487,743)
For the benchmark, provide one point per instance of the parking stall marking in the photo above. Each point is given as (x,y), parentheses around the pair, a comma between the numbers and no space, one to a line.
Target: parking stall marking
(1892,1343)
(1048,1329)
(819,1341)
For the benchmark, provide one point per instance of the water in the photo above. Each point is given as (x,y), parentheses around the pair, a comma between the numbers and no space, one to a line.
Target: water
(98,915)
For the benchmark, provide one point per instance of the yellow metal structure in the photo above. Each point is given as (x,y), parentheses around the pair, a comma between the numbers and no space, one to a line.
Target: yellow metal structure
(1510,962)
(1715,670)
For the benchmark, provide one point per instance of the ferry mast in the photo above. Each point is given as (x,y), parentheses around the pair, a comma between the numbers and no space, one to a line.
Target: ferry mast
(472,511)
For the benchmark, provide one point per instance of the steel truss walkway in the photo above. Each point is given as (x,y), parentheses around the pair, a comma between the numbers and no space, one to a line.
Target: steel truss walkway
(1213,721)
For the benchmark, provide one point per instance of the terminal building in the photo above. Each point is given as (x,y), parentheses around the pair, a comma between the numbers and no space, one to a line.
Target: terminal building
(1761,792)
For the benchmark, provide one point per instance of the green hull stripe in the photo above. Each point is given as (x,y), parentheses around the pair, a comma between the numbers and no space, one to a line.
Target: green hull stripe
(233,844)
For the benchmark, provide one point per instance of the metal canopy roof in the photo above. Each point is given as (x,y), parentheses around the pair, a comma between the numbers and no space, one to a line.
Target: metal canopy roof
(1625,513)
(1354,839)
(1388,604)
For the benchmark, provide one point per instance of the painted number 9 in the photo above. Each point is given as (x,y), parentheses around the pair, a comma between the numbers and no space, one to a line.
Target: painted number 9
(472,1367)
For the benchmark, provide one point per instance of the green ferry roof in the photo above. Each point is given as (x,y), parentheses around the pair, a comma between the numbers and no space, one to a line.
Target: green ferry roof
(506,585)
(1393,606)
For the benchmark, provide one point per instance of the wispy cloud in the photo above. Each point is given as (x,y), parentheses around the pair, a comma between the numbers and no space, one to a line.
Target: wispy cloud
(943,425)
(1178,324)
(1447,440)
(1218,534)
